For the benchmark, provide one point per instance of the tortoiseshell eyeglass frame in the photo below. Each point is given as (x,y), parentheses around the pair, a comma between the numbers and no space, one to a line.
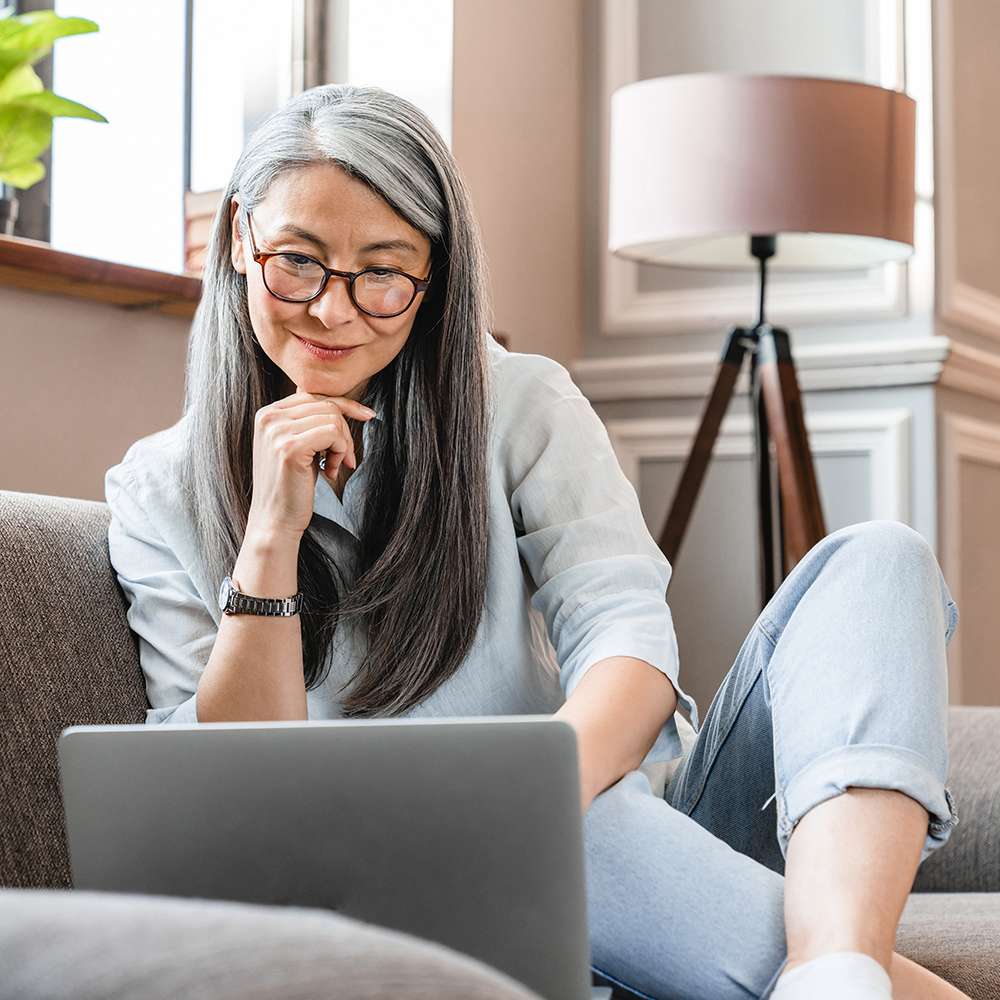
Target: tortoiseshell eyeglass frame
(419,284)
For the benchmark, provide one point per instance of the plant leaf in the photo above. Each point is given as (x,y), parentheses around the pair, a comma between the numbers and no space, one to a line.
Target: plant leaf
(26,38)
(23,80)
(40,28)
(57,106)
(22,175)
(24,134)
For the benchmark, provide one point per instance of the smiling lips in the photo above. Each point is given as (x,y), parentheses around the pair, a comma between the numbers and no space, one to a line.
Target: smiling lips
(322,353)
(328,347)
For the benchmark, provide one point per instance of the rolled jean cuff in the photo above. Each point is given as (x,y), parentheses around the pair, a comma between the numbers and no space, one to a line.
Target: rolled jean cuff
(869,765)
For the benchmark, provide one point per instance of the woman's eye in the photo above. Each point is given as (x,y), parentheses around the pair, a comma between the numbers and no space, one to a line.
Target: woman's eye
(300,259)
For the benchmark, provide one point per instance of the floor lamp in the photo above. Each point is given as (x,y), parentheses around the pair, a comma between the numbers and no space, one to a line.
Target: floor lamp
(735,171)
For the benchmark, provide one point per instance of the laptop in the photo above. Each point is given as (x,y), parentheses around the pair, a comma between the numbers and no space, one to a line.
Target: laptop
(466,831)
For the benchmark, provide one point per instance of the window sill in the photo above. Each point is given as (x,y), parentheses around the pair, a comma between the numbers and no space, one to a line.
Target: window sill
(39,267)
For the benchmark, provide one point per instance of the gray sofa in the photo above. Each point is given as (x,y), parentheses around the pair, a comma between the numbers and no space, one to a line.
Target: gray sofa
(68,657)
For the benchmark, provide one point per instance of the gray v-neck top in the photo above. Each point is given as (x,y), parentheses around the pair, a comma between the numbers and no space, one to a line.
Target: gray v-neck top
(574,575)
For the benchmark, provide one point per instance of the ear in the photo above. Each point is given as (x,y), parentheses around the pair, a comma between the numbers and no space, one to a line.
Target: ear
(236,238)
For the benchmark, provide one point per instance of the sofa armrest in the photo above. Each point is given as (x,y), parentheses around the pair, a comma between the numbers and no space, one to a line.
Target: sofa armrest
(68,943)
(970,860)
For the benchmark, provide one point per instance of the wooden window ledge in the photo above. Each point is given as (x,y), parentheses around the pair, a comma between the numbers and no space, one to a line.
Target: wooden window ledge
(39,267)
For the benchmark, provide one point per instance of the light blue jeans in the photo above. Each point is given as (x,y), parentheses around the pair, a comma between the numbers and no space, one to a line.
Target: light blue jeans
(841,681)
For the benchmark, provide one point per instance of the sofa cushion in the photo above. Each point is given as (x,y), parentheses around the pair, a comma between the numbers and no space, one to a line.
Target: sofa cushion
(957,936)
(970,860)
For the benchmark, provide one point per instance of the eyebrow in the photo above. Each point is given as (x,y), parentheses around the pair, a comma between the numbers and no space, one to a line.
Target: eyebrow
(304,234)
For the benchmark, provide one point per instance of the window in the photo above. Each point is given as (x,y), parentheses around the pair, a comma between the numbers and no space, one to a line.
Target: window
(116,188)
(402,46)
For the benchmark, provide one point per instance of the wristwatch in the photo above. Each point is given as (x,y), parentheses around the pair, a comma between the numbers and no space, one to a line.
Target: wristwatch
(232,602)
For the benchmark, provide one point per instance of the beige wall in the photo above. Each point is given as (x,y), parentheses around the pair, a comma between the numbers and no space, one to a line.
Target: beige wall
(517,139)
(967,84)
(80,381)
(975,86)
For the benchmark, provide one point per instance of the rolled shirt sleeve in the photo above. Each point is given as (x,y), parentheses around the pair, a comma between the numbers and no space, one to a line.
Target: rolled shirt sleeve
(175,630)
(601,578)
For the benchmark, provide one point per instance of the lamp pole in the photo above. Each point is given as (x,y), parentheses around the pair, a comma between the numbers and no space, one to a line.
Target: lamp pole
(763,247)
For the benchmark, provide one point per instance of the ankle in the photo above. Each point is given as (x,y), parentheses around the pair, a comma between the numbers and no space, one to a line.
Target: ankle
(805,951)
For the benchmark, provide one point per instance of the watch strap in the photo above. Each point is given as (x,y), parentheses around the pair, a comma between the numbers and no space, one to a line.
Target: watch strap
(269,606)
(246,604)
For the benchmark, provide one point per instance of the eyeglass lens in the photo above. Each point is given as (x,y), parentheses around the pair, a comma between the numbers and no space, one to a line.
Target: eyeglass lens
(296,277)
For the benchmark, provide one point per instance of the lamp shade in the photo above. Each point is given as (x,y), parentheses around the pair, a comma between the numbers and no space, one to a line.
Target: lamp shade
(698,162)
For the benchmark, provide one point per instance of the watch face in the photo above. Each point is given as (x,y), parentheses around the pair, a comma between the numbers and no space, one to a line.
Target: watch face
(224,590)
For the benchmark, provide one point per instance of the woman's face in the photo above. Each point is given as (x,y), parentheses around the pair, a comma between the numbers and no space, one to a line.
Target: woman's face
(343,215)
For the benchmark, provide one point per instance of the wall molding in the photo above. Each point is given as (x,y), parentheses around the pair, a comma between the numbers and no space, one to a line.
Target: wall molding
(880,293)
(969,369)
(690,375)
(958,303)
(963,439)
(883,436)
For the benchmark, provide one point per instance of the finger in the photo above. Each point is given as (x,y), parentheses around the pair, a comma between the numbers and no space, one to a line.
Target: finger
(325,404)
(332,426)
(310,417)
(348,457)
(345,402)
(339,458)
(331,467)
(299,396)
(317,439)
(330,462)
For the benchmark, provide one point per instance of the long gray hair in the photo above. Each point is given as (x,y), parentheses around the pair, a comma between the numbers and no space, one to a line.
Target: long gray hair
(420,580)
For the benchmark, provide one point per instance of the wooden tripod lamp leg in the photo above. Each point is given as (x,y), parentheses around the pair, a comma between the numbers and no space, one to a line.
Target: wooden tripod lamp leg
(701,451)
(802,510)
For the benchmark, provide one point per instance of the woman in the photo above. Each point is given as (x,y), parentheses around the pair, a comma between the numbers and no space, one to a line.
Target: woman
(422,502)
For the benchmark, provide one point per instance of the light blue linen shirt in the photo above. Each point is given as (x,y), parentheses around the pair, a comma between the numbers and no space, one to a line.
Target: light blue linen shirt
(574,575)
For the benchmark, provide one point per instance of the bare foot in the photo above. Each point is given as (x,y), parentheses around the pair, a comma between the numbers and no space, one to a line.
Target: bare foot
(911,981)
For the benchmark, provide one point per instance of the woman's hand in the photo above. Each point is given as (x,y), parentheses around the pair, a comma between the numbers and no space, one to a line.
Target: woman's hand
(287,436)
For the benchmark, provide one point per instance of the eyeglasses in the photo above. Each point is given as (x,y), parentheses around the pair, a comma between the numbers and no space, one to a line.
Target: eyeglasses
(296,277)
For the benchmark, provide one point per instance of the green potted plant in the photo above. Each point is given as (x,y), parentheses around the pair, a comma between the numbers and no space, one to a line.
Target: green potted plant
(26,107)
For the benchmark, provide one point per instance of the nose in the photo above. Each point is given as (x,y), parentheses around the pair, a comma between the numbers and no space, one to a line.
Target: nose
(333,305)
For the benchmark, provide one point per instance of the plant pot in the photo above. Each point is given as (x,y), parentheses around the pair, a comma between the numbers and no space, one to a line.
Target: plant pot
(8,209)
